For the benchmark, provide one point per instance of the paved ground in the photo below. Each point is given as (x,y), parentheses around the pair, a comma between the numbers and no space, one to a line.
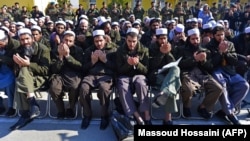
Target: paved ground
(49,129)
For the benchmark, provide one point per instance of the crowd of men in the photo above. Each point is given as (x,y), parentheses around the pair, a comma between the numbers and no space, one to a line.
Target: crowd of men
(80,51)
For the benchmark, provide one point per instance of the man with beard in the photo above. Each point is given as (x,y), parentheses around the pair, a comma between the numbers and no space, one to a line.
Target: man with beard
(235,87)
(195,67)
(149,36)
(32,61)
(84,37)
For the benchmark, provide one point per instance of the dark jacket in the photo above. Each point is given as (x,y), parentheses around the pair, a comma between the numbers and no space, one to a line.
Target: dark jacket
(71,64)
(217,59)
(100,68)
(123,68)
(188,62)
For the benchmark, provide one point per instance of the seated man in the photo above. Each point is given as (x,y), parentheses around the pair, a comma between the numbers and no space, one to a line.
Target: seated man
(195,67)
(66,72)
(99,69)
(235,87)
(167,82)
(32,64)
(132,66)
(7,76)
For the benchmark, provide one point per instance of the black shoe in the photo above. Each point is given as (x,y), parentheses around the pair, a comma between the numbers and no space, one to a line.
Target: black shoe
(204,113)
(160,100)
(222,115)
(148,122)
(187,112)
(11,112)
(170,122)
(2,110)
(233,119)
(23,121)
(85,122)
(104,123)
(34,111)
(70,113)
(60,115)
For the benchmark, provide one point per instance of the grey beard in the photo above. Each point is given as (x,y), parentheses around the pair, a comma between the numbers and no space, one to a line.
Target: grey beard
(28,51)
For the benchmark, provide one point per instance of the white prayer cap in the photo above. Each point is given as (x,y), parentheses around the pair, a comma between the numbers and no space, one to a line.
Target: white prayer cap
(134,30)
(176,18)
(136,23)
(194,20)
(167,22)
(207,26)
(115,24)
(172,21)
(213,23)
(218,24)
(35,27)
(122,20)
(84,21)
(2,35)
(33,22)
(131,15)
(161,31)
(188,20)
(24,31)
(69,32)
(60,22)
(139,20)
(70,22)
(84,17)
(50,22)
(101,18)
(126,22)
(6,29)
(98,32)
(20,24)
(220,21)
(200,20)
(193,31)
(102,21)
(247,30)
(179,28)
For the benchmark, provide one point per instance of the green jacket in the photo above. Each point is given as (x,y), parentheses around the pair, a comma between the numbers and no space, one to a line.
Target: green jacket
(156,61)
(10,49)
(40,59)
(71,64)
(123,68)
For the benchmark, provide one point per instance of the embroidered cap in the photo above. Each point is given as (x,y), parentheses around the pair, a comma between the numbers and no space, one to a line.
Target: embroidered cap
(161,31)
(69,32)
(24,31)
(35,27)
(179,28)
(193,31)
(134,30)
(98,32)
